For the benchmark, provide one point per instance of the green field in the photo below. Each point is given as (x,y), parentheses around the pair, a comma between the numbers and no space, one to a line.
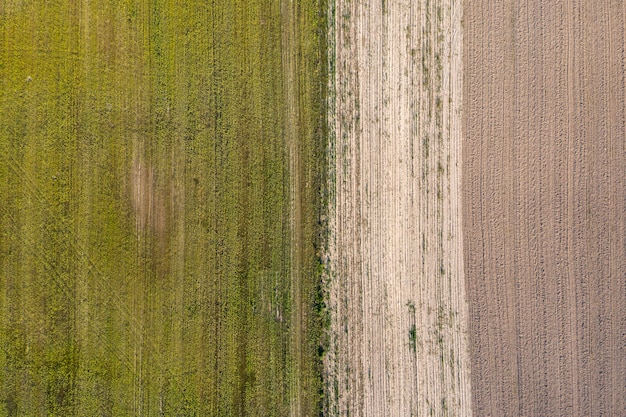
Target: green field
(161,189)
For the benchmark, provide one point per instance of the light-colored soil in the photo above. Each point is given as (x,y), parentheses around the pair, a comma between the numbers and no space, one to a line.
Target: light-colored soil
(398,344)
(544,206)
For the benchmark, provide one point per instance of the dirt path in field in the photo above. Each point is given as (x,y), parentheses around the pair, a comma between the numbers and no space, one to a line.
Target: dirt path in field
(398,334)
(544,206)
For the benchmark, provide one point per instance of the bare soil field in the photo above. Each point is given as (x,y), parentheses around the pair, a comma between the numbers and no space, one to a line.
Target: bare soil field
(544,191)
(398,341)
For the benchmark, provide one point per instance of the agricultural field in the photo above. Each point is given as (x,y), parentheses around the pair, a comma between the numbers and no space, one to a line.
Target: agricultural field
(477,245)
(312,208)
(397,343)
(544,206)
(160,171)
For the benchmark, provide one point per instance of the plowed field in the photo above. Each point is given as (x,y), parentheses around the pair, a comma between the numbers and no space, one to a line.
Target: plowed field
(544,212)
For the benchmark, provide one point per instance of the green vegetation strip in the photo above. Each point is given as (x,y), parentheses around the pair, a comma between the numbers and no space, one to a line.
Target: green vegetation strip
(147,207)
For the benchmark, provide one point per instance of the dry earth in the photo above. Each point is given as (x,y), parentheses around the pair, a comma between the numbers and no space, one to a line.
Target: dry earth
(398,342)
(544,206)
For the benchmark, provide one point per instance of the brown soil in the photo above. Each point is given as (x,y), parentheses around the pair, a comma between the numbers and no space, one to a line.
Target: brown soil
(544,196)
(151,201)
(398,333)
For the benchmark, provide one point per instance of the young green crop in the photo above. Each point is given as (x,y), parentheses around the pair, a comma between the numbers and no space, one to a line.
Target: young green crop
(147,225)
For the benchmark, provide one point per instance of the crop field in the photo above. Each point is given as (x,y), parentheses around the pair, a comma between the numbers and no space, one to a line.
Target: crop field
(544,206)
(312,208)
(479,156)
(160,170)
(398,339)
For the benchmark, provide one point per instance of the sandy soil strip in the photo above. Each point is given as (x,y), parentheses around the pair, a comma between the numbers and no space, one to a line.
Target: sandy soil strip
(398,343)
(544,206)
